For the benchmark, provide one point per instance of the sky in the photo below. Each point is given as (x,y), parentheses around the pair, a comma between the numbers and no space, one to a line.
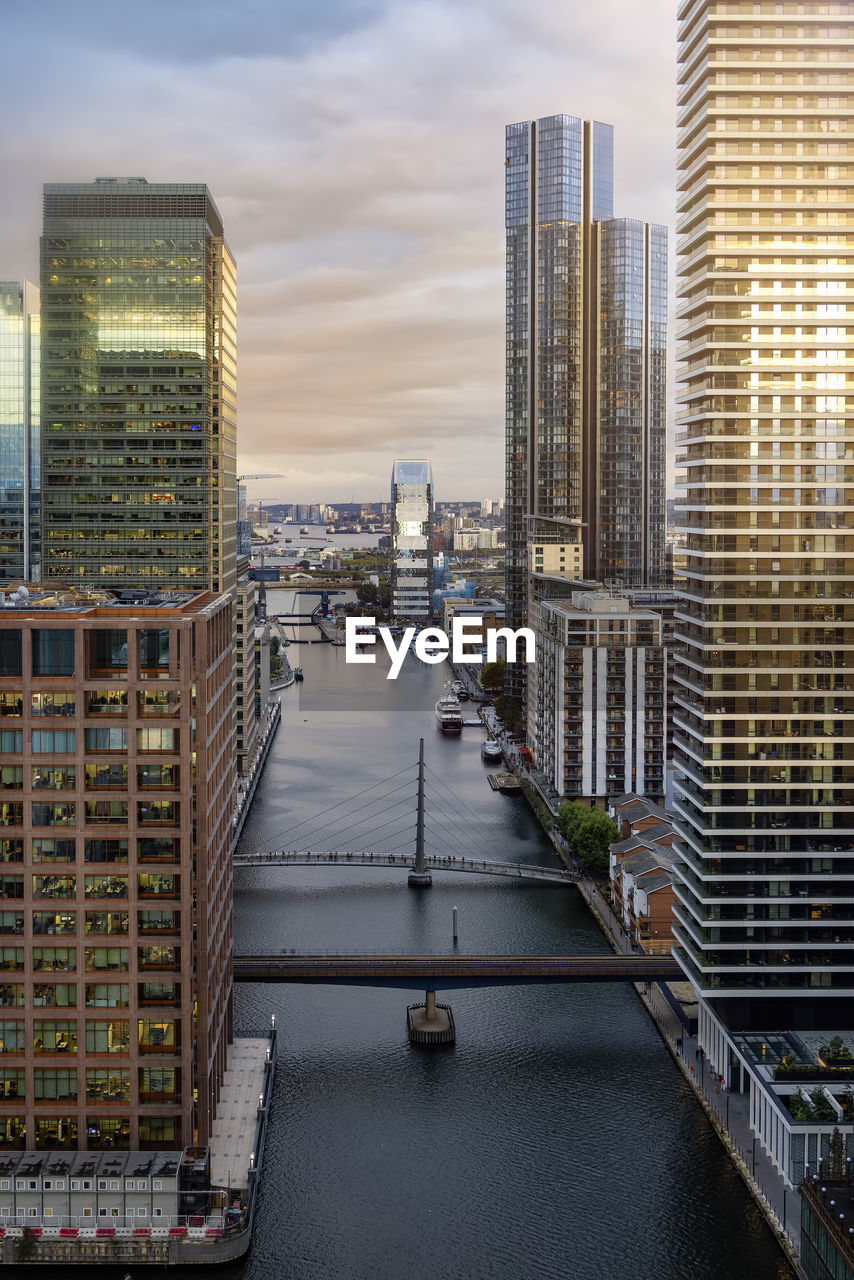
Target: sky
(355,149)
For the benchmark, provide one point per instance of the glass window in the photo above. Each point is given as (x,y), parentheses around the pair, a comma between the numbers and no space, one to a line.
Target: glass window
(158,849)
(51,1083)
(55,1131)
(10,652)
(153,649)
(57,959)
(54,886)
(12,995)
(53,778)
(106,702)
(158,1035)
(158,812)
(158,1133)
(106,850)
(54,994)
(108,922)
(106,958)
(53,652)
(11,886)
(53,704)
(54,815)
(11,850)
(108,1037)
(158,957)
(106,811)
(100,776)
(54,1037)
(159,1084)
(13,1037)
(11,922)
(11,740)
(162,920)
(12,1083)
(11,704)
(107,1084)
(164,776)
(11,813)
(107,995)
(109,650)
(105,886)
(163,740)
(47,850)
(112,1133)
(105,739)
(54,741)
(158,884)
(60,922)
(11,777)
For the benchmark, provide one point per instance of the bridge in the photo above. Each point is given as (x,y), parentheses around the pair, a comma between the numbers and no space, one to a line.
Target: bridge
(450,972)
(432,862)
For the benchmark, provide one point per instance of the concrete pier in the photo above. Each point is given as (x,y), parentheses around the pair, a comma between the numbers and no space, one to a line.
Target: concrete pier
(430,1023)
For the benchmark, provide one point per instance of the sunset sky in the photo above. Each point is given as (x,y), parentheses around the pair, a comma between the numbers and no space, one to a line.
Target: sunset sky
(355,149)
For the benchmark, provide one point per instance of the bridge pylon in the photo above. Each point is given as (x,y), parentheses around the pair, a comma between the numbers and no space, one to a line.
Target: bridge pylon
(419,876)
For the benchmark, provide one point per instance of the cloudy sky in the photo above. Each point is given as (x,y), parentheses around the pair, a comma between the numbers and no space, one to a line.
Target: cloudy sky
(355,149)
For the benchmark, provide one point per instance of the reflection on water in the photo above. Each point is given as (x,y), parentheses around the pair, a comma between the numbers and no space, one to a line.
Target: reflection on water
(555,1140)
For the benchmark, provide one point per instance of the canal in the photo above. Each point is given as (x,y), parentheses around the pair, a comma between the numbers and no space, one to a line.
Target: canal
(555,1140)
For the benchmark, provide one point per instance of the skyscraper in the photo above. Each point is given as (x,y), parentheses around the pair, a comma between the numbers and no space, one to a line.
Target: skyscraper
(19,431)
(764,704)
(412,539)
(586,339)
(138,386)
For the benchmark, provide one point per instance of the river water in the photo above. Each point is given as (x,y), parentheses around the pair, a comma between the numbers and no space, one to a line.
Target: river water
(556,1139)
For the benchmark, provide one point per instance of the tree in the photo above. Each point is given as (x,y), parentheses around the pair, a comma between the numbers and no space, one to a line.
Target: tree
(492,676)
(835,1157)
(367,593)
(589,832)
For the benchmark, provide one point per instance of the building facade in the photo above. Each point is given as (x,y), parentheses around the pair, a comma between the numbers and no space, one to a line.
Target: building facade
(138,387)
(412,539)
(116,729)
(20,494)
(596,720)
(585,366)
(764,726)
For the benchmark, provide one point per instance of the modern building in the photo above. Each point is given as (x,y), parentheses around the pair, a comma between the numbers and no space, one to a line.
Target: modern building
(597,722)
(246,717)
(412,539)
(764,727)
(586,362)
(138,387)
(20,543)
(117,743)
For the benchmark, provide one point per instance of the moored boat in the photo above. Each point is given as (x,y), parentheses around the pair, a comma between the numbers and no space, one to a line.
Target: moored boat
(491,750)
(449,716)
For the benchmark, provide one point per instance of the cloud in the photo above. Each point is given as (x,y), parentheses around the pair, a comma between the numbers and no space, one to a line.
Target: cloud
(356,153)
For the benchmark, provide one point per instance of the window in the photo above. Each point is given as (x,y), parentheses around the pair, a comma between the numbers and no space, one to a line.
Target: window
(153,650)
(157,1084)
(12,995)
(158,849)
(11,740)
(105,739)
(163,740)
(107,995)
(55,995)
(13,1083)
(158,812)
(53,652)
(11,922)
(47,778)
(12,704)
(61,922)
(158,921)
(11,813)
(55,886)
(12,1037)
(11,777)
(55,959)
(53,704)
(11,850)
(155,884)
(108,1085)
(108,1132)
(106,850)
(100,776)
(11,958)
(106,811)
(56,1131)
(57,1083)
(109,650)
(54,742)
(157,1133)
(106,958)
(54,1037)
(10,652)
(108,1037)
(54,850)
(158,957)
(105,886)
(11,886)
(112,922)
(158,1035)
(54,815)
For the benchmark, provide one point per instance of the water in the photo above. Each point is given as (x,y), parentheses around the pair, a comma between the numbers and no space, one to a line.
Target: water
(555,1140)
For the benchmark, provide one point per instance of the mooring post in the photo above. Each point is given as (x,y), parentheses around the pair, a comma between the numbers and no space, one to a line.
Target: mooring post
(419,877)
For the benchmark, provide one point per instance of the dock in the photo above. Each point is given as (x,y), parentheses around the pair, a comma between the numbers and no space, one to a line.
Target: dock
(507,783)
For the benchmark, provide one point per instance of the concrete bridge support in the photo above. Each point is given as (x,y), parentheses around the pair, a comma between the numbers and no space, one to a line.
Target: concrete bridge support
(419,876)
(430,1023)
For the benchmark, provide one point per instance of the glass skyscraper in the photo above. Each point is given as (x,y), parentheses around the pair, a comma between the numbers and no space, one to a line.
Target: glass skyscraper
(138,386)
(412,539)
(764,719)
(586,343)
(19,431)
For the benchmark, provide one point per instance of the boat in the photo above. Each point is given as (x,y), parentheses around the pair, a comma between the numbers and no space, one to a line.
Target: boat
(449,716)
(491,750)
(304,530)
(298,675)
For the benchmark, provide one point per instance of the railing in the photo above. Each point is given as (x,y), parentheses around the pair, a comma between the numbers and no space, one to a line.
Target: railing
(435,862)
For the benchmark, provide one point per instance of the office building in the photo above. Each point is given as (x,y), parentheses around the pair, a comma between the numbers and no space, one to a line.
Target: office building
(138,387)
(586,356)
(764,725)
(19,432)
(597,706)
(117,741)
(412,539)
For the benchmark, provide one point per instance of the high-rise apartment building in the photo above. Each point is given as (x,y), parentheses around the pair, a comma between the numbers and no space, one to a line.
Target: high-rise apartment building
(586,357)
(138,387)
(412,539)
(19,432)
(764,700)
(117,741)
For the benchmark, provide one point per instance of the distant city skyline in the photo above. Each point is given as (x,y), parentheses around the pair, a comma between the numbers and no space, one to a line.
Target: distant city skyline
(356,153)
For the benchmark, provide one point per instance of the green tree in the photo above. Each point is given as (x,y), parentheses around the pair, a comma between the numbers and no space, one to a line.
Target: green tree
(367,593)
(492,676)
(836,1157)
(589,831)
